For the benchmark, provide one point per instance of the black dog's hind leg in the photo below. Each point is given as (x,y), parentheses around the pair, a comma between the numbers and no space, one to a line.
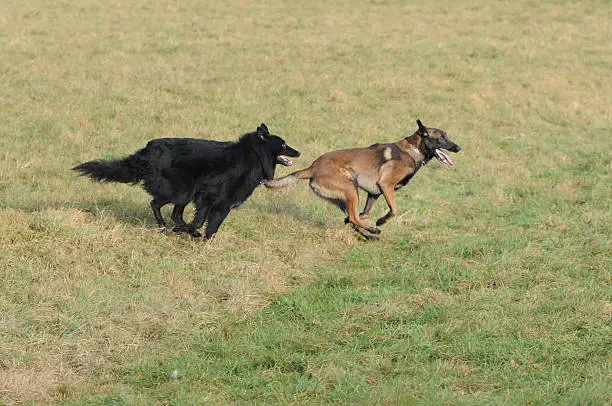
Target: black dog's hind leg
(177,217)
(177,214)
(181,225)
(215,218)
(156,206)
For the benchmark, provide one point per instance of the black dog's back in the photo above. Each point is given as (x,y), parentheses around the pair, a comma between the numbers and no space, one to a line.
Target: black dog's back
(188,156)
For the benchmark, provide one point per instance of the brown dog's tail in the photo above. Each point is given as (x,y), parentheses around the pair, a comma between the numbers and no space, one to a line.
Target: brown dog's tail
(289,179)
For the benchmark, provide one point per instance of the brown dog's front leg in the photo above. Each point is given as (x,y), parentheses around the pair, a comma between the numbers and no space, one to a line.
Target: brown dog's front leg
(365,214)
(388,193)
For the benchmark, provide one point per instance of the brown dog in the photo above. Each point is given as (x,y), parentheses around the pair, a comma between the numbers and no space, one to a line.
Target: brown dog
(378,169)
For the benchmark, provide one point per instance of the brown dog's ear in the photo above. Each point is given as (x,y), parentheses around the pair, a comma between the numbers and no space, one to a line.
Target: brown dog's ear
(422,129)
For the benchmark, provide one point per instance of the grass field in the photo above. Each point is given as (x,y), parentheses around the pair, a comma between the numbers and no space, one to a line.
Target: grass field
(493,286)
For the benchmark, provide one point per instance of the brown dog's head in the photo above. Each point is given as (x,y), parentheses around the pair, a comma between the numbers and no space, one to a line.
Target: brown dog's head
(434,141)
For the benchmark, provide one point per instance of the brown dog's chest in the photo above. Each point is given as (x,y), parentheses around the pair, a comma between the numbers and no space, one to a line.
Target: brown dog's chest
(404,181)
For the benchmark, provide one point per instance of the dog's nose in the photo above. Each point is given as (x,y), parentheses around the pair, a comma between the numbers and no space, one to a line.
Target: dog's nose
(457,148)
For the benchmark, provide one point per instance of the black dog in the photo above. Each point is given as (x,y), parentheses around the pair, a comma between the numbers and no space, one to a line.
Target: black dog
(216,176)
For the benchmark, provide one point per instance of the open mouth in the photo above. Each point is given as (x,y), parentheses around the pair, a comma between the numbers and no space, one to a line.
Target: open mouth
(443,157)
(283,160)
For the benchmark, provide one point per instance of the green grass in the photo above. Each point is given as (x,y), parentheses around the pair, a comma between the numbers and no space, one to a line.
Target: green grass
(491,287)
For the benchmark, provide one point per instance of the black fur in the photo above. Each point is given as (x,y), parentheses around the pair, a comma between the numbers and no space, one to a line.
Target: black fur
(216,176)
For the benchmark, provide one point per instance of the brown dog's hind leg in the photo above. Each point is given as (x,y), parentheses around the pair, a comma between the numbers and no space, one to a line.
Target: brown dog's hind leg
(352,206)
(344,194)
(365,214)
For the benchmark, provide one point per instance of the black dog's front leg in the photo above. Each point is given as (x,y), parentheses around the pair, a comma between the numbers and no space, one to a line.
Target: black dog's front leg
(215,218)
(198,221)
(180,225)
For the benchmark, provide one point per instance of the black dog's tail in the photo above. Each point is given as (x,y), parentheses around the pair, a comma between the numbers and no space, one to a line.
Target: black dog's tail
(126,170)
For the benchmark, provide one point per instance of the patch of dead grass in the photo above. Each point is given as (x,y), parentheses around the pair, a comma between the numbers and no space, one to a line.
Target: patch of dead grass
(20,383)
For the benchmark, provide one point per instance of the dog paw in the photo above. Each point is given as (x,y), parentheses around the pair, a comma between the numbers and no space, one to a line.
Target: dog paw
(375,231)
(178,229)
(195,234)
(381,221)
(371,237)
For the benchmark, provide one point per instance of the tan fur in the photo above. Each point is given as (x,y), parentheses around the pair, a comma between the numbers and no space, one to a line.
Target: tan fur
(388,154)
(378,169)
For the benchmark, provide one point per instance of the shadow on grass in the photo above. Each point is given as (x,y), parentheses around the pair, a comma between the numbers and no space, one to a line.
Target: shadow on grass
(291,210)
(139,213)
(125,211)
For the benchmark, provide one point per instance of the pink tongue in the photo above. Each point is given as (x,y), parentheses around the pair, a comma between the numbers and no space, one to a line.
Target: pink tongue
(444,157)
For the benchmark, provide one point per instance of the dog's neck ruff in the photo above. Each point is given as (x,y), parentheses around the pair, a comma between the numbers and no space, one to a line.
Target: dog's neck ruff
(416,154)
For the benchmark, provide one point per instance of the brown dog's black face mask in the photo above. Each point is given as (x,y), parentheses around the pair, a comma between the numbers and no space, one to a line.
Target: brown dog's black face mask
(435,141)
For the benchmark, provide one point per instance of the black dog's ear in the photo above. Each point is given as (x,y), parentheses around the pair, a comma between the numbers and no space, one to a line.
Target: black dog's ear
(262,130)
(422,129)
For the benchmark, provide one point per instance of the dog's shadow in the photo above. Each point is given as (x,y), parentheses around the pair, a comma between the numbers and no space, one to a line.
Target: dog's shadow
(139,213)
(289,209)
(125,211)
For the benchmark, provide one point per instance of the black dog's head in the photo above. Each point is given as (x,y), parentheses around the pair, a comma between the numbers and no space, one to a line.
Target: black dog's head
(271,149)
(277,146)
(434,141)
